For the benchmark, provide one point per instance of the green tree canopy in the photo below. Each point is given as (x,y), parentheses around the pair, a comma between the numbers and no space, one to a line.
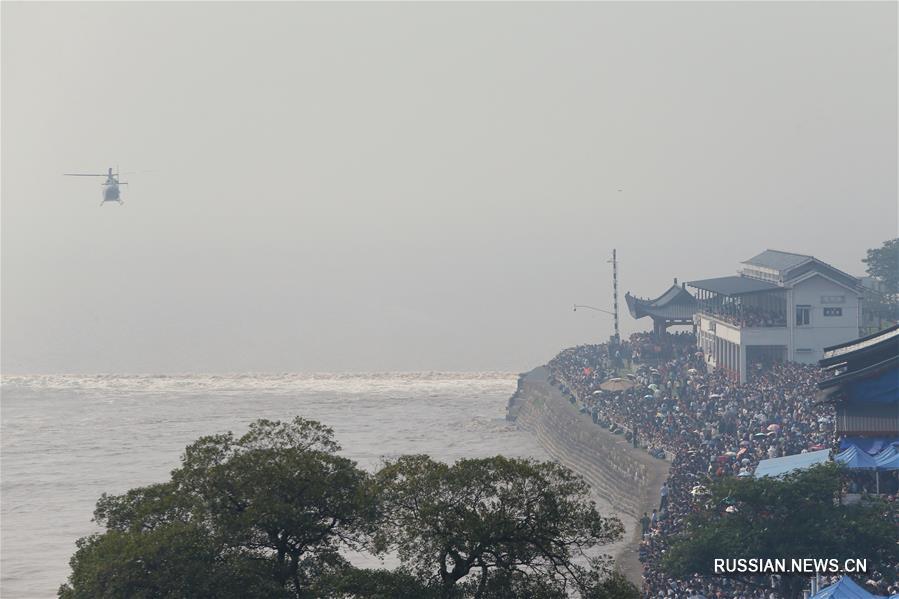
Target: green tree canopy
(883,264)
(881,305)
(493,527)
(265,513)
(797,516)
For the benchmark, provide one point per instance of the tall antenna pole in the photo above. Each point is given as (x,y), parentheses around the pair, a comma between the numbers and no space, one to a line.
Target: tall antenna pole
(615,293)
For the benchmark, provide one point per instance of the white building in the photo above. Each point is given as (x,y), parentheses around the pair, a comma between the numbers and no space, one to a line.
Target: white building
(780,307)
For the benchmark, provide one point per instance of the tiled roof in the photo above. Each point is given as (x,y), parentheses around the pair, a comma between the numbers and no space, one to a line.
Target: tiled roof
(778,260)
(733,285)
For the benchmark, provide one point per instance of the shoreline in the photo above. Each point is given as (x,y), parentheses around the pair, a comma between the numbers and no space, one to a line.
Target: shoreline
(625,479)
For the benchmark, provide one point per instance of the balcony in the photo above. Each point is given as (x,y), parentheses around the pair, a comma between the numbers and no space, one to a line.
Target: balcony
(731,329)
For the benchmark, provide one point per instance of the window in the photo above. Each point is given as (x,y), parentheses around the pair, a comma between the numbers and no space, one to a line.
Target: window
(803,315)
(833,311)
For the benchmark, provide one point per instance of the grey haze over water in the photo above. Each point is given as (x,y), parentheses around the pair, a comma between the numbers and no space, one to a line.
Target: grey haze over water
(370,187)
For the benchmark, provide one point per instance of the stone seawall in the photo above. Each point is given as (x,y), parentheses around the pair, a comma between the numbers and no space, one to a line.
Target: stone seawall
(628,479)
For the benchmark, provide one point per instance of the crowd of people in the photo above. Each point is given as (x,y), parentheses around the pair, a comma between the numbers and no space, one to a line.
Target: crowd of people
(749,316)
(707,424)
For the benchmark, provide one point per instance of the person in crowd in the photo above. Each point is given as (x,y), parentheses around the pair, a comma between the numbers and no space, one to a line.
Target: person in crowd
(644,524)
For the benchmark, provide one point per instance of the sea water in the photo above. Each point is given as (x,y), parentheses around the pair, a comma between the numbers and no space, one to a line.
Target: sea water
(67,439)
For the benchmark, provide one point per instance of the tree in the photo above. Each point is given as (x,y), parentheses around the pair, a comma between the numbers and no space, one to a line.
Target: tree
(266,513)
(798,516)
(353,583)
(614,585)
(171,561)
(882,303)
(883,264)
(493,527)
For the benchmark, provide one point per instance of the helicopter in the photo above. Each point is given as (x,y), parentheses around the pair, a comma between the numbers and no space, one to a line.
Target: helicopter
(111,191)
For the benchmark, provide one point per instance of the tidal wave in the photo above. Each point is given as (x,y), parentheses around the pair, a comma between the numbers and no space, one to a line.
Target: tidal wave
(419,382)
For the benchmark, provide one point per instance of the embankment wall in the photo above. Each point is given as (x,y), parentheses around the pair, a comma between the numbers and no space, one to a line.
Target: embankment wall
(627,478)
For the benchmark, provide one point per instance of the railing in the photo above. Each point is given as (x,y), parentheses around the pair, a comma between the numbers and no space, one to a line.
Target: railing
(750,321)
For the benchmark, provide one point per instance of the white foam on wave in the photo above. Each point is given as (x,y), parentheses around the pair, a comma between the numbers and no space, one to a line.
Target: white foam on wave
(418,383)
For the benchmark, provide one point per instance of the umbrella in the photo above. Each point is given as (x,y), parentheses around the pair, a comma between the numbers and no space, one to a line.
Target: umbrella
(759,435)
(715,396)
(773,427)
(745,443)
(743,474)
(731,509)
(730,454)
(616,384)
(692,370)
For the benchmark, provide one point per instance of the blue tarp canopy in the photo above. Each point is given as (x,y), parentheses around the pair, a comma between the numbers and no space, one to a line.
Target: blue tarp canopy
(844,588)
(870,445)
(856,459)
(800,461)
(888,459)
(888,452)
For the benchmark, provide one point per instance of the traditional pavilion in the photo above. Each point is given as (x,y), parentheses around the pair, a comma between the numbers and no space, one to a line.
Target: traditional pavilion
(865,389)
(674,307)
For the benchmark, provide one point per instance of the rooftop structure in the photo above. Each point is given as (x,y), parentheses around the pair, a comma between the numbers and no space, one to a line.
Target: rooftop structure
(780,306)
(865,385)
(676,306)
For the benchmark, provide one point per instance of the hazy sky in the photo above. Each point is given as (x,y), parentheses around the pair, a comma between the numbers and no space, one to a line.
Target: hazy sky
(350,187)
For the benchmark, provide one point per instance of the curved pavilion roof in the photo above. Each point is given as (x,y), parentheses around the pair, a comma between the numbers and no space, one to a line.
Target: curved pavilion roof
(675,304)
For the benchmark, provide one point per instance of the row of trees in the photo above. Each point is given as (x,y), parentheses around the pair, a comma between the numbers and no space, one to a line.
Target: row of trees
(271,514)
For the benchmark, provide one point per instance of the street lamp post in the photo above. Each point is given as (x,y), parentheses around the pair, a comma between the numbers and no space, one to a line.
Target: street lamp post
(576,306)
